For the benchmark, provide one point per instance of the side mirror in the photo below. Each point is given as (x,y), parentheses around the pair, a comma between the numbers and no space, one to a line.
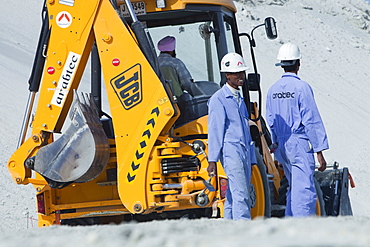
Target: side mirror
(205,31)
(270,27)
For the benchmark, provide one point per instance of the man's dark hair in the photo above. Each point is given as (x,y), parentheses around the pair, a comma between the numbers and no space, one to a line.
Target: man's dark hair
(293,67)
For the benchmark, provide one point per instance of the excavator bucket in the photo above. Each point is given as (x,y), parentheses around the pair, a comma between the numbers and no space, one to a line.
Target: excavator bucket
(81,153)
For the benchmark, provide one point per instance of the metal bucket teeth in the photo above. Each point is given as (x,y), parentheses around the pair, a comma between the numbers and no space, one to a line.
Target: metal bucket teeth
(82,152)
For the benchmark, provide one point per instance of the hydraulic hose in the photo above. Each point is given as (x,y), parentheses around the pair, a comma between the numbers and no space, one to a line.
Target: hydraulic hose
(39,61)
(146,45)
(36,74)
(253,44)
(144,39)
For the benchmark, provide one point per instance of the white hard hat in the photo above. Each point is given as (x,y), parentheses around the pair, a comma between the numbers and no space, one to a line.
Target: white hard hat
(288,54)
(233,62)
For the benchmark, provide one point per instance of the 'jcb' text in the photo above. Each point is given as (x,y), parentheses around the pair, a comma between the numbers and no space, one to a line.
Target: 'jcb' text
(127,86)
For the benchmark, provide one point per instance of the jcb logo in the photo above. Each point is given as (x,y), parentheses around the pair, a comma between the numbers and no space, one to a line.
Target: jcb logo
(127,86)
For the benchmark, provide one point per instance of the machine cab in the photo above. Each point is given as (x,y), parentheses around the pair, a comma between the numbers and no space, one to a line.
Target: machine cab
(204,34)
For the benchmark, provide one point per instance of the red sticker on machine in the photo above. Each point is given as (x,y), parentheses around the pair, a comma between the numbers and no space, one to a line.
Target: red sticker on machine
(116,62)
(51,70)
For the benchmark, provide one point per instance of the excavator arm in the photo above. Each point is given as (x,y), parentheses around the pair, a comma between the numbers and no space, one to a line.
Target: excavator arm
(140,106)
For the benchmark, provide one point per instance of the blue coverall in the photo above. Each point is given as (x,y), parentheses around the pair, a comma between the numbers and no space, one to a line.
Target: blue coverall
(230,142)
(297,128)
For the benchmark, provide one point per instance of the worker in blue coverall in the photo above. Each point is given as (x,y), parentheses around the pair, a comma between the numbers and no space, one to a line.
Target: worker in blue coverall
(297,133)
(229,138)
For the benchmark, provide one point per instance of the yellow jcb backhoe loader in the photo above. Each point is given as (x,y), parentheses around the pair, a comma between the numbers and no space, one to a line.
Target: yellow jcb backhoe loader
(130,149)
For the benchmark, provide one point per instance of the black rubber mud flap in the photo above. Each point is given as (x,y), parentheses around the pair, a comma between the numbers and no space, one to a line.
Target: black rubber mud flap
(334,184)
(319,199)
(345,203)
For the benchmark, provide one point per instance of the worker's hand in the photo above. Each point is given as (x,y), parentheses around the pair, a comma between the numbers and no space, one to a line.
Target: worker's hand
(211,169)
(322,162)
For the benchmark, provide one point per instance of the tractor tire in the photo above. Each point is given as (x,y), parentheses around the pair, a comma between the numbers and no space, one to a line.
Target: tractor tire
(260,190)
(320,204)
